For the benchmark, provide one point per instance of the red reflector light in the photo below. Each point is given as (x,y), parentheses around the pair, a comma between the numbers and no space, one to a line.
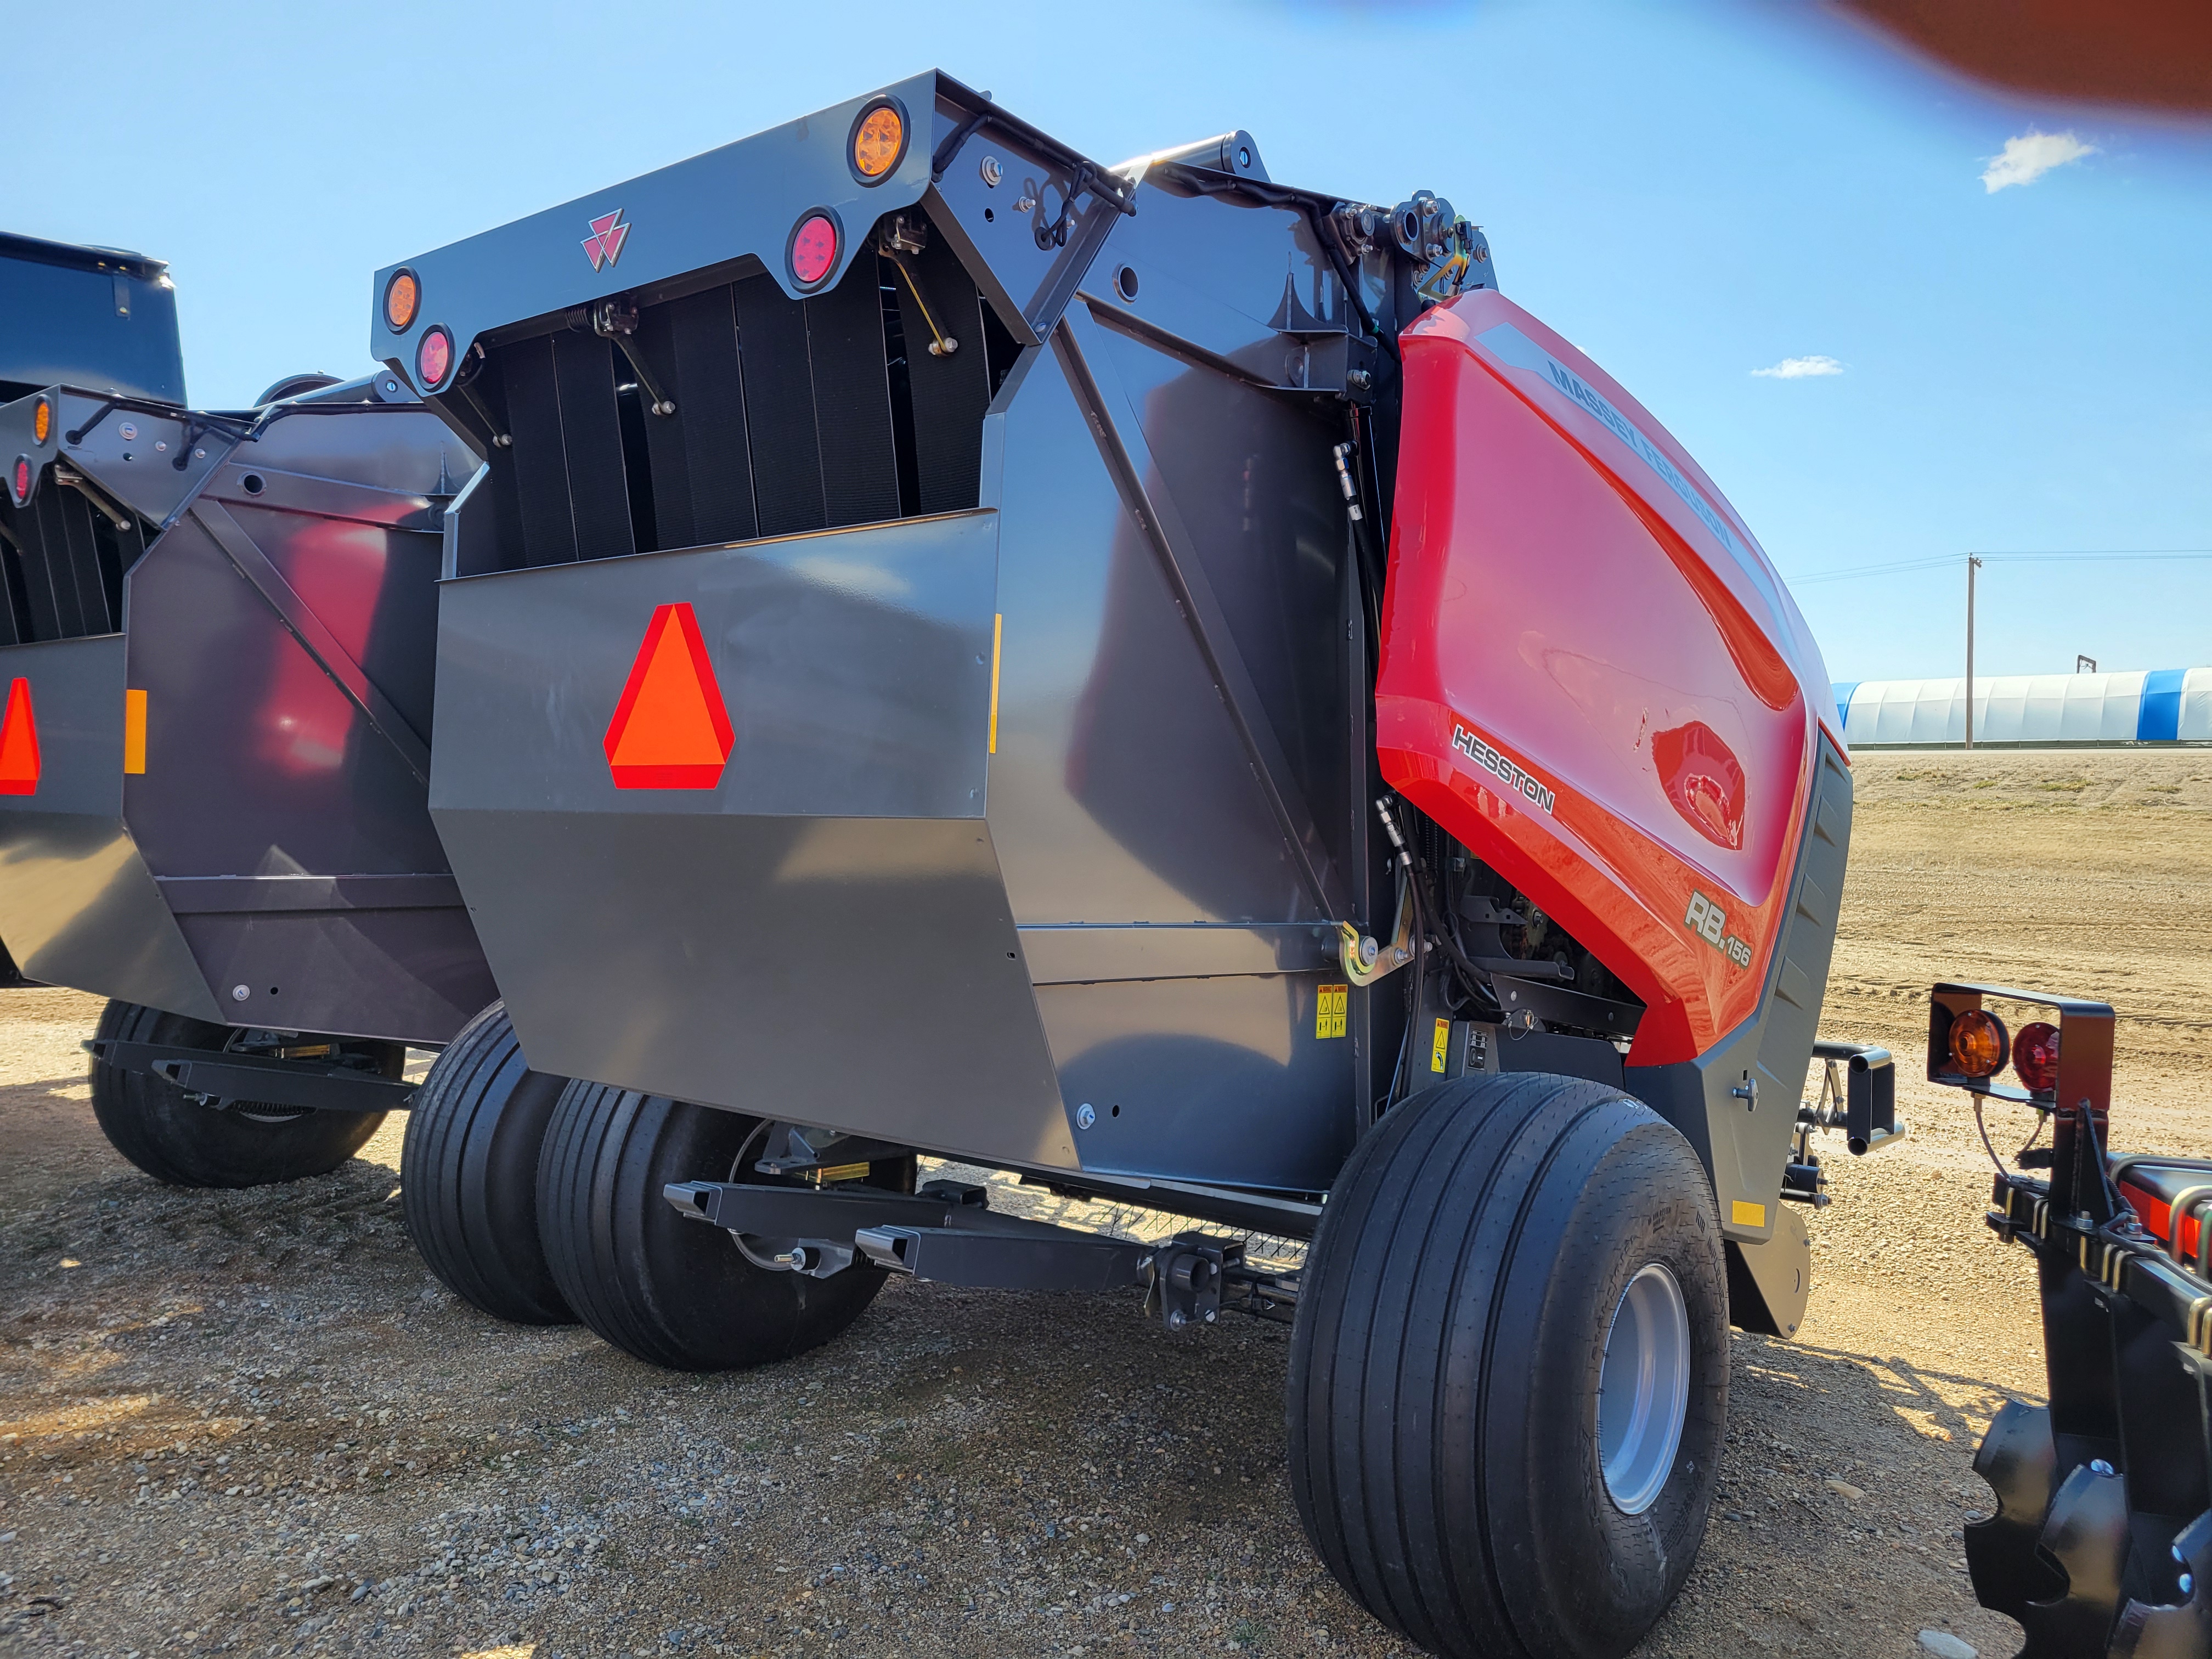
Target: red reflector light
(433,360)
(22,479)
(1977,1043)
(2035,1056)
(813,252)
(403,298)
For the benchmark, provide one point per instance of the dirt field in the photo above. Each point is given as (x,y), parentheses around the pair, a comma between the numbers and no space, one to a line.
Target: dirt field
(252,1423)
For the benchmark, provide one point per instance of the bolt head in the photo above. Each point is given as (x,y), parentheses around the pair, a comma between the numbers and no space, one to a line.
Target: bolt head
(239,992)
(1086,1115)
(992,171)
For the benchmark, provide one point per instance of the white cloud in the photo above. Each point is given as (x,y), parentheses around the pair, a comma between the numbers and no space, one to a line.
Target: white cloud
(1799,368)
(2028,157)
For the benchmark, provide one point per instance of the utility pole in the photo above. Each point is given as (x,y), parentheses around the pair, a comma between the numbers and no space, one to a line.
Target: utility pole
(1972,565)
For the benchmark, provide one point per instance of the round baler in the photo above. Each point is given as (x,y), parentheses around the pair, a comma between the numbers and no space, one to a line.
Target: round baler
(217,639)
(1167,684)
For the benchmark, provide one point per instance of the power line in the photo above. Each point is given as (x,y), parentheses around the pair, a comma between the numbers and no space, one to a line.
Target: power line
(1943,561)
(1896,569)
(2104,553)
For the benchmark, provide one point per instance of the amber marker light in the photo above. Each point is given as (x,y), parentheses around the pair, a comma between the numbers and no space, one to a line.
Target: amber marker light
(879,142)
(1977,1043)
(2035,1056)
(42,420)
(433,360)
(402,299)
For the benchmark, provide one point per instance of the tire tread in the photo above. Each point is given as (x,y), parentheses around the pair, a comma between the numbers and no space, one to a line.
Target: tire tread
(1412,1417)
(469,1173)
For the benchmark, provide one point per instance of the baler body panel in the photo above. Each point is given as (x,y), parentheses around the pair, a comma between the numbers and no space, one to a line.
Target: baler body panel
(252,706)
(1173,794)
(78,905)
(1590,674)
(827,923)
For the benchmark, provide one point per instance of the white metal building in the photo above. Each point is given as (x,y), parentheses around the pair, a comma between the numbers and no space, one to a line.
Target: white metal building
(2160,705)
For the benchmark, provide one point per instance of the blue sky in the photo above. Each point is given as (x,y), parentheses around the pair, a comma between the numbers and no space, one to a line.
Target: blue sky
(1690,192)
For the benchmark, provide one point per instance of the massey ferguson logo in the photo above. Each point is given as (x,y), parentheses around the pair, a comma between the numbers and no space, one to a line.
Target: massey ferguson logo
(604,245)
(1510,774)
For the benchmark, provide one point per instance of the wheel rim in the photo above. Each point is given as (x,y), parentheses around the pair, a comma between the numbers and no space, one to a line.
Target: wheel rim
(1644,1389)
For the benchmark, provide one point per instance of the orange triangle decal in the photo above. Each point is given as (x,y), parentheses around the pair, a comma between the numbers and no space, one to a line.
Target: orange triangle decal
(670,730)
(19,744)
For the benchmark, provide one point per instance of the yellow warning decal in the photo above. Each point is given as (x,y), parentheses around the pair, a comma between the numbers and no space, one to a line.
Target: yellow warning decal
(134,732)
(1747,1215)
(1330,1010)
(1437,1048)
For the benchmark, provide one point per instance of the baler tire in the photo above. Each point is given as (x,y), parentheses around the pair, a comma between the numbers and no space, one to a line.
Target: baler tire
(673,1292)
(177,1141)
(1462,1502)
(468,1173)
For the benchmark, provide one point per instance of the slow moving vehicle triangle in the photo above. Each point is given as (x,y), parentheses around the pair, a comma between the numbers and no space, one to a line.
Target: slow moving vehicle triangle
(19,744)
(670,730)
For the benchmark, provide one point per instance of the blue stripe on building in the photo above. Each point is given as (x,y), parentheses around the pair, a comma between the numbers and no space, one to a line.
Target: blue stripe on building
(2158,717)
(1843,688)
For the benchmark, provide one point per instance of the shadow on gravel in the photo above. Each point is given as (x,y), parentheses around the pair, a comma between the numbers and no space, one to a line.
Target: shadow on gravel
(254,1417)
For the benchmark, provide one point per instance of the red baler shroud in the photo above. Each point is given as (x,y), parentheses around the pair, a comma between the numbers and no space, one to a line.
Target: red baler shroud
(1590,673)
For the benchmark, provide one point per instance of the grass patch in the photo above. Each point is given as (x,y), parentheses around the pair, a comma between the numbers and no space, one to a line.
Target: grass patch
(2064,786)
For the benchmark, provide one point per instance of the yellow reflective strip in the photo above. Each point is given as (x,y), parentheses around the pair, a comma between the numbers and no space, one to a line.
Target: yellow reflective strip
(134,731)
(1745,1214)
(997,628)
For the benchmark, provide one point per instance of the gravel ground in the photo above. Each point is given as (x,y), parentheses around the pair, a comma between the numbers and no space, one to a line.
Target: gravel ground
(251,1423)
